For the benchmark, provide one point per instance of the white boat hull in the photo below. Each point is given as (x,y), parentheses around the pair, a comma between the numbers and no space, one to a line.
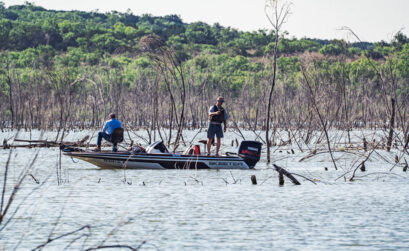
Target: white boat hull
(160,161)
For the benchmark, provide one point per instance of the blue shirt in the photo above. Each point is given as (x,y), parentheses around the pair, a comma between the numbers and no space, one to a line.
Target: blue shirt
(110,125)
(226,115)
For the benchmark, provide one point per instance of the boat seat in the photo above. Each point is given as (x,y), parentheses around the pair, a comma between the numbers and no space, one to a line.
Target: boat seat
(117,135)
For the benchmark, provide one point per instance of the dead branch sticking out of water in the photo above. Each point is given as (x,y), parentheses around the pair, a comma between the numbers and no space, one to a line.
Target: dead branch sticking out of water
(361,165)
(234,180)
(281,171)
(323,123)
(23,174)
(47,143)
(315,153)
(117,246)
(196,180)
(304,177)
(253,179)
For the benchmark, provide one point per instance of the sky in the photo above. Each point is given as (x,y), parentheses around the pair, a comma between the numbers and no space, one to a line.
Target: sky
(371,20)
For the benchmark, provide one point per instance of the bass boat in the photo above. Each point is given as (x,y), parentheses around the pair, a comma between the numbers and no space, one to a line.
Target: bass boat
(157,156)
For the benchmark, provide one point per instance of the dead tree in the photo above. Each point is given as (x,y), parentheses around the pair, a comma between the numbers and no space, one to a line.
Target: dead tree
(314,103)
(281,171)
(277,14)
(391,126)
(171,67)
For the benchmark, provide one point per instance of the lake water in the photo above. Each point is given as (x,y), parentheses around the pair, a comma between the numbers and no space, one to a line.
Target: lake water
(209,209)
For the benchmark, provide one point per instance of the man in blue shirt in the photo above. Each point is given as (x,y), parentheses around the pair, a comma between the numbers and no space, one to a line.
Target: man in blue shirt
(217,116)
(106,133)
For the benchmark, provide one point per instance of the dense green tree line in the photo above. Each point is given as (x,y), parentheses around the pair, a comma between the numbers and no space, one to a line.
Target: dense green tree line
(70,66)
(29,26)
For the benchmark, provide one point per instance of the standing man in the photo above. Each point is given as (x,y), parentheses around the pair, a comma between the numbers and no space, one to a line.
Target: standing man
(217,116)
(110,126)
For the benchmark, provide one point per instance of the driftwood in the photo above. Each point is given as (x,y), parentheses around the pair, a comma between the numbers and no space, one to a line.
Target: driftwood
(46,143)
(281,171)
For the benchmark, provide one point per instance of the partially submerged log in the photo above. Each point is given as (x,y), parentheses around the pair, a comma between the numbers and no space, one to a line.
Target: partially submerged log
(5,145)
(47,143)
(82,141)
(35,143)
(253,180)
(363,168)
(281,171)
(280,179)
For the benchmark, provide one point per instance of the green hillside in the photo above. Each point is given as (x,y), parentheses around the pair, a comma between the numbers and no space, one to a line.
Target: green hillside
(77,66)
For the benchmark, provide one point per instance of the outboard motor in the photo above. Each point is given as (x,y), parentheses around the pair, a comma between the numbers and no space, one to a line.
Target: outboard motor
(250,151)
(158,147)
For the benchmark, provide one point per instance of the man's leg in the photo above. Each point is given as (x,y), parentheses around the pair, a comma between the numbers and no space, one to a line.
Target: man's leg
(108,137)
(218,142)
(209,144)
(99,139)
(100,136)
(210,136)
(219,136)
(114,147)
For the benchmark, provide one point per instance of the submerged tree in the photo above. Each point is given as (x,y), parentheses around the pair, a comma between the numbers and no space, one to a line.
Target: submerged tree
(170,66)
(277,13)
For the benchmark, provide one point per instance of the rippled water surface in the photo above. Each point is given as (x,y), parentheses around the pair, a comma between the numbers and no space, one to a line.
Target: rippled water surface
(191,210)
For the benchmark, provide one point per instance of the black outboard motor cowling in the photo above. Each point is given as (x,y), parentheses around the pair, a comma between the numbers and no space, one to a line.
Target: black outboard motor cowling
(250,151)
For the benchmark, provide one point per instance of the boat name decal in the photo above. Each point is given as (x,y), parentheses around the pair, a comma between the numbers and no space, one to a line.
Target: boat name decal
(224,163)
(112,161)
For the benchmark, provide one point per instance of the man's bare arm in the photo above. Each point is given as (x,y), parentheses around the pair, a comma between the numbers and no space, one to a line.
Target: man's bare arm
(211,114)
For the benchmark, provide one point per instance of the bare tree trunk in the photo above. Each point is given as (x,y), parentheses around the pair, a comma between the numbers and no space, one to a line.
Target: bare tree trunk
(323,123)
(170,124)
(270,97)
(391,126)
(9,82)
(345,103)
(277,16)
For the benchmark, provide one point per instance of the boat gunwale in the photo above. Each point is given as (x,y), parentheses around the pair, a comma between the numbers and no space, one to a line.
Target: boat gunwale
(128,156)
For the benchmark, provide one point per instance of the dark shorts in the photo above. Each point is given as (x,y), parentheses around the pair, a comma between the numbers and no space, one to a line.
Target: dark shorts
(214,129)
